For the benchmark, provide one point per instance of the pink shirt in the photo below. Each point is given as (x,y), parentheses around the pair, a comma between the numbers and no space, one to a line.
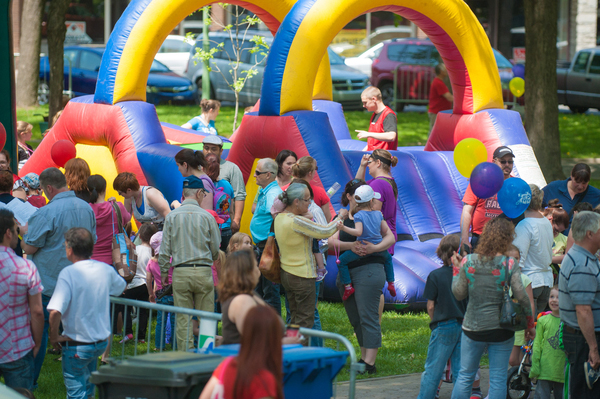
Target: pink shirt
(154,269)
(19,278)
(106,225)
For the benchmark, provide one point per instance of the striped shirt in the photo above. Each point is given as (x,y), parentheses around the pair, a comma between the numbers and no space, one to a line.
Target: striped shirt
(19,279)
(579,284)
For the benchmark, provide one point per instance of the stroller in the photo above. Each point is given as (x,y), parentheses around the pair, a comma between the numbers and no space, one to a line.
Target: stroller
(519,383)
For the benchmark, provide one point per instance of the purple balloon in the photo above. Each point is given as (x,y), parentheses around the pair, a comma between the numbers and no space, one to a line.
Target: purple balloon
(519,71)
(486,179)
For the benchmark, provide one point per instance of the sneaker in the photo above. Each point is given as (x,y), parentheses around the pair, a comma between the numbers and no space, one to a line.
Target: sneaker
(128,337)
(591,375)
(369,368)
(321,273)
(437,394)
(141,341)
(348,291)
(476,394)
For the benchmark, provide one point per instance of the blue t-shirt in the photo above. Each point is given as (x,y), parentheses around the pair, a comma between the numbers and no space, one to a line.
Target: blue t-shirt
(223,202)
(371,221)
(558,189)
(199,126)
(260,225)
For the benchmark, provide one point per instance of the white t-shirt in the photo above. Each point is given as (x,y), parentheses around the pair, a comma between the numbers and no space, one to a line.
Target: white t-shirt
(534,238)
(82,297)
(144,254)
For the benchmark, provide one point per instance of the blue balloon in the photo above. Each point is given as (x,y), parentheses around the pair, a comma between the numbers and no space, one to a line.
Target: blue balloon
(486,179)
(514,197)
(519,71)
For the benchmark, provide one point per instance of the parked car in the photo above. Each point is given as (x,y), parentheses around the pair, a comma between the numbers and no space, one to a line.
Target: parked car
(579,85)
(363,61)
(84,64)
(175,53)
(377,36)
(348,83)
(416,60)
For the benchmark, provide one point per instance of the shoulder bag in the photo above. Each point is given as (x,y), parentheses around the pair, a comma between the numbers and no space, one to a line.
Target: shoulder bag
(270,265)
(511,313)
(123,250)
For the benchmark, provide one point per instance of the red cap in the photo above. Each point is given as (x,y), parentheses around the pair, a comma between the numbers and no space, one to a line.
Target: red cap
(216,216)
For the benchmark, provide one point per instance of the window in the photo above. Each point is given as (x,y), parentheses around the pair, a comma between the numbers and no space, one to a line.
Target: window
(394,52)
(595,64)
(581,62)
(89,61)
(414,54)
(70,56)
(174,46)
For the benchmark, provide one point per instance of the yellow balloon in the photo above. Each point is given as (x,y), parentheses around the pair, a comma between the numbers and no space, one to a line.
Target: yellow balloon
(517,86)
(468,154)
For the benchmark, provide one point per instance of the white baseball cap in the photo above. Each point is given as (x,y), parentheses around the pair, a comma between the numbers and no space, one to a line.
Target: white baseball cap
(365,194)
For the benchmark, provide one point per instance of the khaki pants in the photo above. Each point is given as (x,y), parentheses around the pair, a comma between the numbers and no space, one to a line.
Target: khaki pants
(301,293)
(192,289)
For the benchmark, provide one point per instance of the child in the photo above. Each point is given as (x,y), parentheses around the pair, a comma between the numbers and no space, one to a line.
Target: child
(239,241)
(369,225)
(446,314)
(548,360)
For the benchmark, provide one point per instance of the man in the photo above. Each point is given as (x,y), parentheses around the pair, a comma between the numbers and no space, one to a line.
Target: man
(440,98)
(383,129)
(574,190)
(20,309)
(6,186)
(81,301)
(45,238)
(232,173)
(190,245)
(579,302)
(477,211)
(260,226)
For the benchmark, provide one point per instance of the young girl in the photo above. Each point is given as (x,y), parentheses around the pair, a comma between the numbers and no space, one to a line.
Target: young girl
(239,241)
(370,227)
(548,361)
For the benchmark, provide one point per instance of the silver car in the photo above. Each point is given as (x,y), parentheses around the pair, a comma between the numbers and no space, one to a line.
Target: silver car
(348,83)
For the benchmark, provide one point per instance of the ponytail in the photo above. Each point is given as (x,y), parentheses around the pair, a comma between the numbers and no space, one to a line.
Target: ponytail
(194,159)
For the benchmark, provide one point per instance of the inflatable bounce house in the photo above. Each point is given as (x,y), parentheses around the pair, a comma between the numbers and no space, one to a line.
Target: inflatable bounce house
(115,130)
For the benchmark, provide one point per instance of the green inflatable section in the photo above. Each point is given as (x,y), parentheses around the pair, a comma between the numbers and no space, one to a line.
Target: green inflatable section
(200,147)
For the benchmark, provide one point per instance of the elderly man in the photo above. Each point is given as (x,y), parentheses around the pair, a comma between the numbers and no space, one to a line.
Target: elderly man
(478,211)
(232,173)
(190,244)
(262,220)
(81,300)
(45,238)
(20,309)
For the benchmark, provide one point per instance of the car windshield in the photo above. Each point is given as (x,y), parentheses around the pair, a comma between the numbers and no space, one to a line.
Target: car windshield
(334,59)
(158,67)
(501,60)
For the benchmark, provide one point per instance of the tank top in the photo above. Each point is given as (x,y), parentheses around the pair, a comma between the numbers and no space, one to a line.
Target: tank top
(145,213)
(231,335)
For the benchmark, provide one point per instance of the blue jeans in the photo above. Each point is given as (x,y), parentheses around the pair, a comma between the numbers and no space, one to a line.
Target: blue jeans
(19,374)
(444,344)
(348,257)
(78,363)
(38,361)
(470,355)
(314,341)
(160,331)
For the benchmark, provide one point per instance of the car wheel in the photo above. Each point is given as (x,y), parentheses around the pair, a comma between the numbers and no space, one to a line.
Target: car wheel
(578,110)
(387,95)
(43,93)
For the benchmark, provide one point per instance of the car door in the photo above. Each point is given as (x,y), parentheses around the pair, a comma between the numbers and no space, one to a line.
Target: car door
(593,80)
(89,65)
(577,86)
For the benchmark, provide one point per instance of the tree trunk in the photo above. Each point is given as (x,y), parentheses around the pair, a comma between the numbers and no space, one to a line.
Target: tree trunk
(541,116)
(57,31)
(504,25)
(29,60)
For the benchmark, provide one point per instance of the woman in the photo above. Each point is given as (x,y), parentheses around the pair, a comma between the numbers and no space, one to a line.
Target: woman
(368,277)
(285,160)
(18,190)
(106,218)
(222,198)
(190,162)
(205,123)
(534,238)
(305,170)
(294,234)
(481,277)
(77,172)
(257,371)
(24,132)
(146,203)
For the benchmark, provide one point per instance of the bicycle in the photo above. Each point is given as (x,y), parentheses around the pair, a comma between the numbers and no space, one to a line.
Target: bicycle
(518,382)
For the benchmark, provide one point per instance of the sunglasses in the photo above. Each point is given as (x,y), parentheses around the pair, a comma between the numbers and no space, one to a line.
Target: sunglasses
(257,173)
(507,162)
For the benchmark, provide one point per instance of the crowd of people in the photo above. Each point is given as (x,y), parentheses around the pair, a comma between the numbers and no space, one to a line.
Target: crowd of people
(60,268)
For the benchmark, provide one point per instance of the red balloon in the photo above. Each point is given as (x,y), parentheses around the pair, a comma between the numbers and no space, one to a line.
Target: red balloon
(2,135)
(62,151)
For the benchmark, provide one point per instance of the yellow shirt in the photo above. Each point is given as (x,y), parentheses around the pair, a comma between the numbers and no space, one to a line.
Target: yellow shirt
(294,236)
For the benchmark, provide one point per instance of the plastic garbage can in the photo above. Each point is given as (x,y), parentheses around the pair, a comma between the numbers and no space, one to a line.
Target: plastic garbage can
(308,372)
(166,375)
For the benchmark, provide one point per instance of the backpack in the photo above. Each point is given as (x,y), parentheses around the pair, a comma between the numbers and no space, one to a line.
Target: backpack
(221,203)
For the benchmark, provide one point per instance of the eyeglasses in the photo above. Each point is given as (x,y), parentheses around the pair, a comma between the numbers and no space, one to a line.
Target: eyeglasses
(257,173)
(305,200)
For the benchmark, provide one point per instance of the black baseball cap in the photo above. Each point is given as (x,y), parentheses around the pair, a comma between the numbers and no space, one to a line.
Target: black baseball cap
(502,151)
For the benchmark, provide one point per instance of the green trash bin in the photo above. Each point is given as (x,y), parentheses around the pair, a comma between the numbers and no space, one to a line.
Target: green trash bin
(165,375)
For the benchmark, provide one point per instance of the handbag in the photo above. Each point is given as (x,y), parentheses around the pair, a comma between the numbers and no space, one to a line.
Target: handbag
(512,316)
(270,265)
(123,250)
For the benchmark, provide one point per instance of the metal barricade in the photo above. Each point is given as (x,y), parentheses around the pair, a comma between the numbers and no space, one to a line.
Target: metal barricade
(412,84)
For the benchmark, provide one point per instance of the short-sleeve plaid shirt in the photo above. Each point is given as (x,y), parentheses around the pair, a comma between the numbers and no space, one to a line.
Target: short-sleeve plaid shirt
(19,278)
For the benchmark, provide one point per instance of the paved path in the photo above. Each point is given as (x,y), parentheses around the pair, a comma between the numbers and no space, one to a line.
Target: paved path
(398,387)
